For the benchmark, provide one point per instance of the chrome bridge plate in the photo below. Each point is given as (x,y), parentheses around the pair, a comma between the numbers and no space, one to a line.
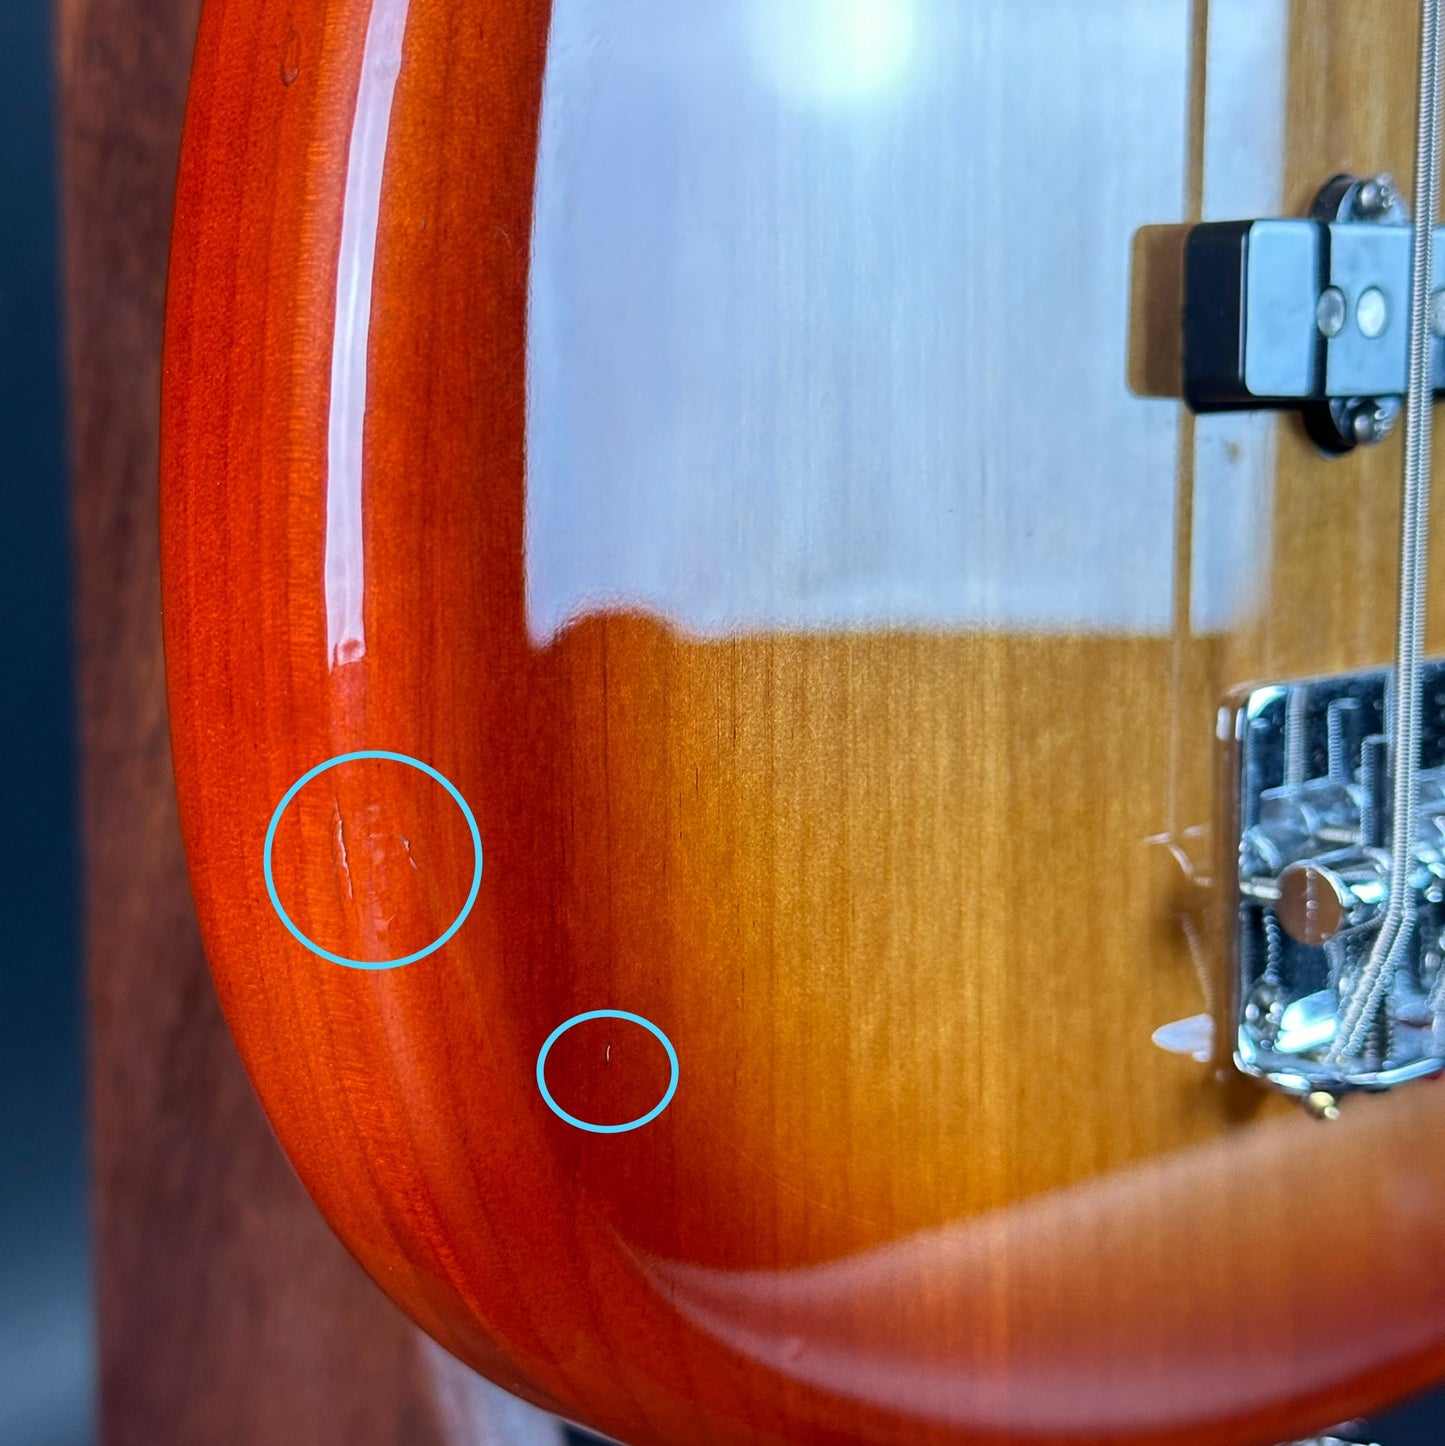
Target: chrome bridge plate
(1310,774)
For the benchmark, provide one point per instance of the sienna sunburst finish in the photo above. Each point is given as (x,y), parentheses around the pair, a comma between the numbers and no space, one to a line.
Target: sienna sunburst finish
(905,899)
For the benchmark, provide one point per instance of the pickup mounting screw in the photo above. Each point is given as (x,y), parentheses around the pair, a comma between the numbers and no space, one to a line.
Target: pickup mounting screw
(1376,198)
(1372,420)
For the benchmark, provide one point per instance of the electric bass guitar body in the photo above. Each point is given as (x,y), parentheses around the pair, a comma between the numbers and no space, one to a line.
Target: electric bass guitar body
(696,682)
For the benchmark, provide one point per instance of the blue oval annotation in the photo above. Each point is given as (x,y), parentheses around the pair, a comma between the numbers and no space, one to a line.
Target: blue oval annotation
(641,1120)
(390,757)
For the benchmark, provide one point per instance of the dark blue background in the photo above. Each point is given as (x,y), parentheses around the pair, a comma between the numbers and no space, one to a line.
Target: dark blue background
(46,1335)
(47,1369)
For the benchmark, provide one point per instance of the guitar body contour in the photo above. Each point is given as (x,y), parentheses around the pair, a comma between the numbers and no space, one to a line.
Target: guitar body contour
(835,731)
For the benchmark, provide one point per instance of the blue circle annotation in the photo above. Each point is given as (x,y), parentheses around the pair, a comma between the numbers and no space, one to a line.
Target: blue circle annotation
(641,1120)
(410,762)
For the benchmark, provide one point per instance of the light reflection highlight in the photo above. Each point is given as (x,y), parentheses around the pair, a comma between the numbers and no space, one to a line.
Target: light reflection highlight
(828,366)
(833,51)
(345,562)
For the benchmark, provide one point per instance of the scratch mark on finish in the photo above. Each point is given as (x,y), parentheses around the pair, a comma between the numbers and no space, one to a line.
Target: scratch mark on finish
(812,1200)
(340,833)
(291,59)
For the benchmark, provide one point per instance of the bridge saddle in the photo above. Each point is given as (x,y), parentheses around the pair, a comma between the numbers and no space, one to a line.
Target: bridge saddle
(1311,875)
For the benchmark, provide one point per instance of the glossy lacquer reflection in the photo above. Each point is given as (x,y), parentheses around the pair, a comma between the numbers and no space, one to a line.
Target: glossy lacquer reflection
(702,440)
(356,266)
(829,306)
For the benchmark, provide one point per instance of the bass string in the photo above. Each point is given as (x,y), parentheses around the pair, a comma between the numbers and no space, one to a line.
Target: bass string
(1361,1010)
